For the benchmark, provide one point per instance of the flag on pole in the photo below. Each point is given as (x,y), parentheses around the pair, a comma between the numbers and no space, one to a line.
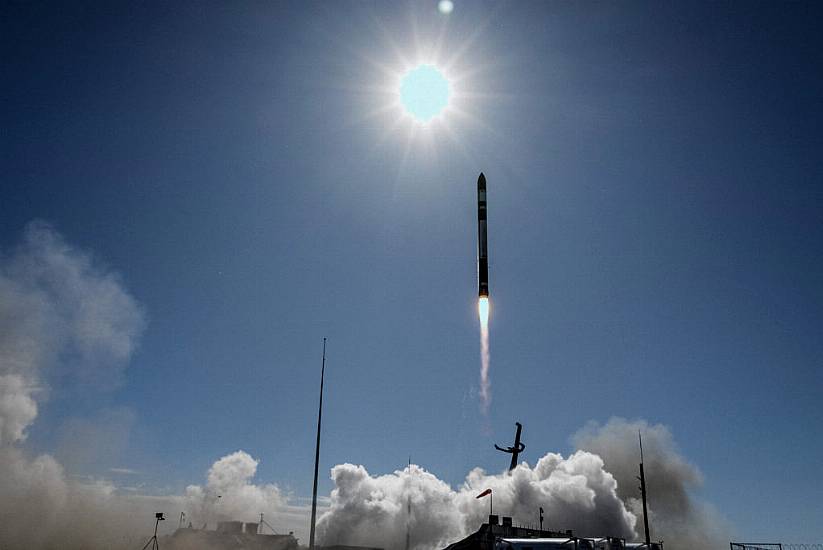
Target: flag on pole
(484,493)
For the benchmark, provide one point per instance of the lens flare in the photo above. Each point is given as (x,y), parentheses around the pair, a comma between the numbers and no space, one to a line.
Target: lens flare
(483,310)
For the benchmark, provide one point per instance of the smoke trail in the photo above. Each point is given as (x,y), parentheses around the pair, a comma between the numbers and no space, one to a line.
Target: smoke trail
(485,382)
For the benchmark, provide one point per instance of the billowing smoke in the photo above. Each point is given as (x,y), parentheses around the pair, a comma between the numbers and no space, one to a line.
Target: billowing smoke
(593,492)
(372,511)
(230,495)
(43,508)
(66,320)
(18,408)
(576,493)
(675,515)
(62,317)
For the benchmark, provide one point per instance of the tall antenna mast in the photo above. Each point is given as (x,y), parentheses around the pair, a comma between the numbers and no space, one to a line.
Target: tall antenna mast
(317,452)
(642,479)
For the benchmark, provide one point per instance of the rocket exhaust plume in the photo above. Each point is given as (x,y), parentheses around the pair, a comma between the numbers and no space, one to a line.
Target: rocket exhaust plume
(483,292)
(485,383)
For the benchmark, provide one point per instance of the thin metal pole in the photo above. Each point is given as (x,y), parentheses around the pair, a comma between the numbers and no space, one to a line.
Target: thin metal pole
(643,493)
(317,451)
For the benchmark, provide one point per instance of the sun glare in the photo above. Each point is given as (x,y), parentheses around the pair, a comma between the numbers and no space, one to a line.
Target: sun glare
(422,87)
(424,92)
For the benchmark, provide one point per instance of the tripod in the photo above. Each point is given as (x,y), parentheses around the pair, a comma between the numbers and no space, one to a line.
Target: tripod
(153,540)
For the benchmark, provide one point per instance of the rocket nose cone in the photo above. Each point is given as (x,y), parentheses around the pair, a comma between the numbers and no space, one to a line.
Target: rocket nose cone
(481,181)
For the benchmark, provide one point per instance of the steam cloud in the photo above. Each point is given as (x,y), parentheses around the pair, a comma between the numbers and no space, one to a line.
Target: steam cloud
(594,496)
(230,495)
(61,316)
(58,311)
(576,492)
(64,317)
(675,516)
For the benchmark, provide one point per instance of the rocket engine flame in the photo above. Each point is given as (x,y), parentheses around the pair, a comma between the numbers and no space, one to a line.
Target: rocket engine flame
(483,310)
(485,383)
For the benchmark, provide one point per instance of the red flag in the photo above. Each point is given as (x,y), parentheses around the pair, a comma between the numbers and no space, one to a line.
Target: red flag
(484,493)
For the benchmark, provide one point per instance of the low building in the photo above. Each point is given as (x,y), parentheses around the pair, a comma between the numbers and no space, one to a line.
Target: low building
(485,537)
(229,535)
(506,536)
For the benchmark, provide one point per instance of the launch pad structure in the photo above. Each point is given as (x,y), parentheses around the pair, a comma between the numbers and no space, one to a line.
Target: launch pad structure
(504,535)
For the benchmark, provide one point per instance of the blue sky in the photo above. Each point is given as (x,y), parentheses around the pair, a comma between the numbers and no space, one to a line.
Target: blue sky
(655,228)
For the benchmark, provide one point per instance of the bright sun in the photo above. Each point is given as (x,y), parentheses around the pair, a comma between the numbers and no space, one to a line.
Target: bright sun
(421,87)
(424,92)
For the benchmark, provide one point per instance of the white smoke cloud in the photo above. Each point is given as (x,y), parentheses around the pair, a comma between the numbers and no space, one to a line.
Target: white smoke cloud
(230,495)
(576,493)
(675,514)
(18,408)
(62,316)
(44,509)
(372,511)
(593,492)
(65,319)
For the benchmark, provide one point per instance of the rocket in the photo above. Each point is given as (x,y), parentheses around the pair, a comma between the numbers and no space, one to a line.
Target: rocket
(482,244)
